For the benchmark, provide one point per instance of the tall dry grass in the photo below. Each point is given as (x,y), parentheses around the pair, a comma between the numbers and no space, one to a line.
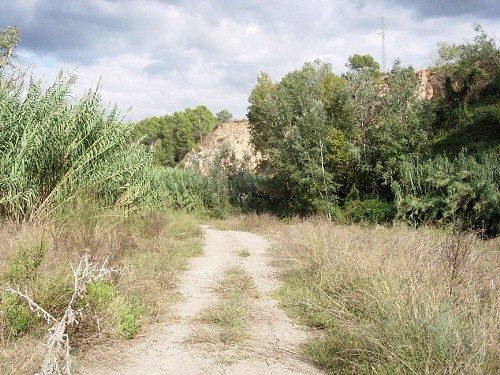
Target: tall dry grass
(149,249)
(394,300)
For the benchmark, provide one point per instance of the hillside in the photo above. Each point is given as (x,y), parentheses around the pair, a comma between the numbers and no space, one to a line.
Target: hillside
(230,142)
(233,139)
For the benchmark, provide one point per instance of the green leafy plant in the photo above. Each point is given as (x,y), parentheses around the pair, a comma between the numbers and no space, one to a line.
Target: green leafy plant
(463,190)
(130,318)
(25,262)
(15,317)
(52,150)
(370,210)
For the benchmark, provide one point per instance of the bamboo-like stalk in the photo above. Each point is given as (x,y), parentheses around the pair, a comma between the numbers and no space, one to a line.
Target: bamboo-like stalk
(53,148)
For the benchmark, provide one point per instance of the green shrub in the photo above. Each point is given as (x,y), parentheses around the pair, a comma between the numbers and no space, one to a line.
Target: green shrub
(463,190)
(370,210)
(15,316)
(246,190)
(100,295)
(181,189)
(25,262)
(129,316)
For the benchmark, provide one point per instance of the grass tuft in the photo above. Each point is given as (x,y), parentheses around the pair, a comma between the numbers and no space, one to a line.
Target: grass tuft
(231,313)
(390,301)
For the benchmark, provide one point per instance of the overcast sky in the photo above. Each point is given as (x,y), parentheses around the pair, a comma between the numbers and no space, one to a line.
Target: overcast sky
(162,56)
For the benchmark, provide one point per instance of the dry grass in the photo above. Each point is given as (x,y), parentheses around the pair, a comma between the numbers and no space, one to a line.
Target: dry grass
(394,300)
(149,249)
(264,224)
(231,312)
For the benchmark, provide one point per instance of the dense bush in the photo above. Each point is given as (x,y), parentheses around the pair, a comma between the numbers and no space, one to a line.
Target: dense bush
(370,210)
(247,191)
(464,190)
(181,189)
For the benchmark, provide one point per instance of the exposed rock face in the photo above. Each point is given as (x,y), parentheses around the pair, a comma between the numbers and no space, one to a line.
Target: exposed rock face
(431,85)
(230,143)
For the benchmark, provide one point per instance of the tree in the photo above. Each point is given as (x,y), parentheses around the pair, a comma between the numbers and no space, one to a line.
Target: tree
(291,124)
(9,38)
(224,116)
(399,132)
(260,111)
(359,62)
(389,126)
(173,136)
(363,97)
(467,115)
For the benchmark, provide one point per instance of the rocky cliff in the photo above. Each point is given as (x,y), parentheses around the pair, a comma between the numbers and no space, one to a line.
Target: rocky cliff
(431,84)
(229,145)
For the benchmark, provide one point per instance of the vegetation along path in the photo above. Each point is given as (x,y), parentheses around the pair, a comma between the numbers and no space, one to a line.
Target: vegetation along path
(213,334)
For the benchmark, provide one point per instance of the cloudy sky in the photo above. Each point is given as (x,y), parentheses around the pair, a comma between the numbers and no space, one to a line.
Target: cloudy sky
(162,56)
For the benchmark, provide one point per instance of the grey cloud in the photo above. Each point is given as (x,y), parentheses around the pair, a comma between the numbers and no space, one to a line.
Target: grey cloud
(489,9)
(71,30)
(189,52)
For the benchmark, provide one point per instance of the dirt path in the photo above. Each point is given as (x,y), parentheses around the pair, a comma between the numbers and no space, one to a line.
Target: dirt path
(181,347)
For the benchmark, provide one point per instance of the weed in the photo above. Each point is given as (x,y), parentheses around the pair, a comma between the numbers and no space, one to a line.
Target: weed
(231,312)
(25,262)
(16,317)
(130,318)
(244,253)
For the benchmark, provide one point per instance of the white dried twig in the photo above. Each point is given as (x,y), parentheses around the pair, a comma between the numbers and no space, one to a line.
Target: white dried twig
(58,340)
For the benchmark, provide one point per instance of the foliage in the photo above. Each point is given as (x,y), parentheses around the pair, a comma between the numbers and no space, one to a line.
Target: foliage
(130,313)
(173,136)
(398,131)
(389,126)
(181,189)
(370,210)
(52,150)
(360,62)
(248,191)
(9,38)
(224,116)
(17,318)
(439,190)
(290,123)
(467,115)
(472,69)
(25,262)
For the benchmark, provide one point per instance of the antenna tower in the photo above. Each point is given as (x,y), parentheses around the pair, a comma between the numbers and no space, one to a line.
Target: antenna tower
(382,34)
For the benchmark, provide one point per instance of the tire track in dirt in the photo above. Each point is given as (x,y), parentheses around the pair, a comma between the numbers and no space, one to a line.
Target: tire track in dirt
(181,347)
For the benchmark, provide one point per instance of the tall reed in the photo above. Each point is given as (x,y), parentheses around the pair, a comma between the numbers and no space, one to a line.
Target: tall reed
(54,148)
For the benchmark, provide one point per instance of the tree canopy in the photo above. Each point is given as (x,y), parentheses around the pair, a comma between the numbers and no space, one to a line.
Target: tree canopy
(358,62)
(173,136)
(9,38)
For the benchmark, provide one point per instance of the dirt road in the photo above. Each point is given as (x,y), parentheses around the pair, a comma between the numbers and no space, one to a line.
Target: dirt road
(181,347)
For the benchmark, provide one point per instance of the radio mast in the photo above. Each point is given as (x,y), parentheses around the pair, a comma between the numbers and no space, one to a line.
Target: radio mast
(382,34)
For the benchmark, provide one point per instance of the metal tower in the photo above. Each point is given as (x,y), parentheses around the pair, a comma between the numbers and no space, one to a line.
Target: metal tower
(382,34)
